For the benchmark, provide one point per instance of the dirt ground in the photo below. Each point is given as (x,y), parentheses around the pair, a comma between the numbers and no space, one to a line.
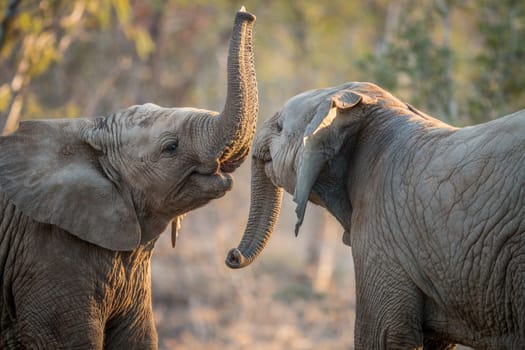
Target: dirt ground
(283,300)
(299,294)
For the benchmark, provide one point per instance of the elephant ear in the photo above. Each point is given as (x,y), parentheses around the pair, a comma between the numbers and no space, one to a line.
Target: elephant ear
(49,173)
(322,140)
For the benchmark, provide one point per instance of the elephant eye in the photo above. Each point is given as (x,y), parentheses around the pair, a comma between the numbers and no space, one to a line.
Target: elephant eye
(170,148)
(279,126)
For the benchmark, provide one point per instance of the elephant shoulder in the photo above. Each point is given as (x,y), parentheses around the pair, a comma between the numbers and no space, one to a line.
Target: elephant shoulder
(14,226)
(10,236)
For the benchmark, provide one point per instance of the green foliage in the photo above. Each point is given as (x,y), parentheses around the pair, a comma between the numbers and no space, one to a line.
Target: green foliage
(422,58)
(499,82)
(5,97)
(41,35)
(458,59)
(416,60)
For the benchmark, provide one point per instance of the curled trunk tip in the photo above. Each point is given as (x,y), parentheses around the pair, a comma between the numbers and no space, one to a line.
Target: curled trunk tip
(243,15)
(236,260)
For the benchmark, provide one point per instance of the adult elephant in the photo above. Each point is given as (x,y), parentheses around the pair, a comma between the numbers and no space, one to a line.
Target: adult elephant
(83,201)
(435,214)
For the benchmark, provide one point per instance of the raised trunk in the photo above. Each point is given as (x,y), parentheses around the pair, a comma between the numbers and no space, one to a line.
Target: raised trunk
(234,128)
(264,209)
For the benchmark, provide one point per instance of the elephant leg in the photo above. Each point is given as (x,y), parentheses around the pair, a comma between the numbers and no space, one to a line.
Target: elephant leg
(134,330)
(435,344)
(388,312)
(49,330)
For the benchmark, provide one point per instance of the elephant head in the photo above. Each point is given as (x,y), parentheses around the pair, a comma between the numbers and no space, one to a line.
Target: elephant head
(118,181)
(305,148)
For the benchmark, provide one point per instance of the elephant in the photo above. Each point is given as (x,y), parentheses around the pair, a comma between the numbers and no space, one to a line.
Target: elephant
(434,214)
(83,201)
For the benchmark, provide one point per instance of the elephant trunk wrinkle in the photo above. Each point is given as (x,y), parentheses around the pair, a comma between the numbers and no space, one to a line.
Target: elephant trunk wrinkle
(264,210)
(235,126)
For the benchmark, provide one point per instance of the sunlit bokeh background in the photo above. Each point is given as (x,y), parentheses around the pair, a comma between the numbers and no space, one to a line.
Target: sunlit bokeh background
(459,60)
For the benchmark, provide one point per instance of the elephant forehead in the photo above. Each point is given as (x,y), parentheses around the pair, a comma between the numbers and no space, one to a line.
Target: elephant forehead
(150,115)
(188,112)
(140,136)
(147,122)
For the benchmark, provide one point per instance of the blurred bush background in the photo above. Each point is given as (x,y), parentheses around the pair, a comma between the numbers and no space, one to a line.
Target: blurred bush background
(459,60)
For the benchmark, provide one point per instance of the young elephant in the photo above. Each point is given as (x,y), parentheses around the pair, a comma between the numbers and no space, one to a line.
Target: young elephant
(83,201)
(435,215)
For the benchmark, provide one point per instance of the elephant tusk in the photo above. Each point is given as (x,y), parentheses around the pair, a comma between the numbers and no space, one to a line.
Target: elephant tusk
(174,233)
(175,227)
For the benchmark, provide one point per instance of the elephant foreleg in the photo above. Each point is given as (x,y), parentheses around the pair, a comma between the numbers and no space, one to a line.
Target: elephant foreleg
(133,331)
(389,309)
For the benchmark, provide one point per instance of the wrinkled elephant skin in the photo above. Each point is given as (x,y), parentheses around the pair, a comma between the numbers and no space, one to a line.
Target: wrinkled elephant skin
(435,214)
(82,202)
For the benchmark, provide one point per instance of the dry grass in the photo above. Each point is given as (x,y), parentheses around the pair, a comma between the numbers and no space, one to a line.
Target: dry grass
(288,299)
(281,301)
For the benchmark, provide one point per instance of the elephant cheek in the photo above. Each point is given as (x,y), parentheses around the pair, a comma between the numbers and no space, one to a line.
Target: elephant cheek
(270,173)
(275,170)
(275,173)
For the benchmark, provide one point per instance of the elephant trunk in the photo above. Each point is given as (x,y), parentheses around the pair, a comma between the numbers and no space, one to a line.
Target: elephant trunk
(264,209)
(234,128)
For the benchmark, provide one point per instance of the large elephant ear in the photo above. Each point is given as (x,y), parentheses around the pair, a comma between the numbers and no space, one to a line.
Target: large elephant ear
(53,176)
(322,140)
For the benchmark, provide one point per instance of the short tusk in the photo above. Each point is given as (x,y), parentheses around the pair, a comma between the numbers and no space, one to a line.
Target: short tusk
(175,228)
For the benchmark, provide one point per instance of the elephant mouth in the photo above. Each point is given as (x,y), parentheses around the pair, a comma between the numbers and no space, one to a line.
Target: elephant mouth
(213,185)
(229,166)
(212,181)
